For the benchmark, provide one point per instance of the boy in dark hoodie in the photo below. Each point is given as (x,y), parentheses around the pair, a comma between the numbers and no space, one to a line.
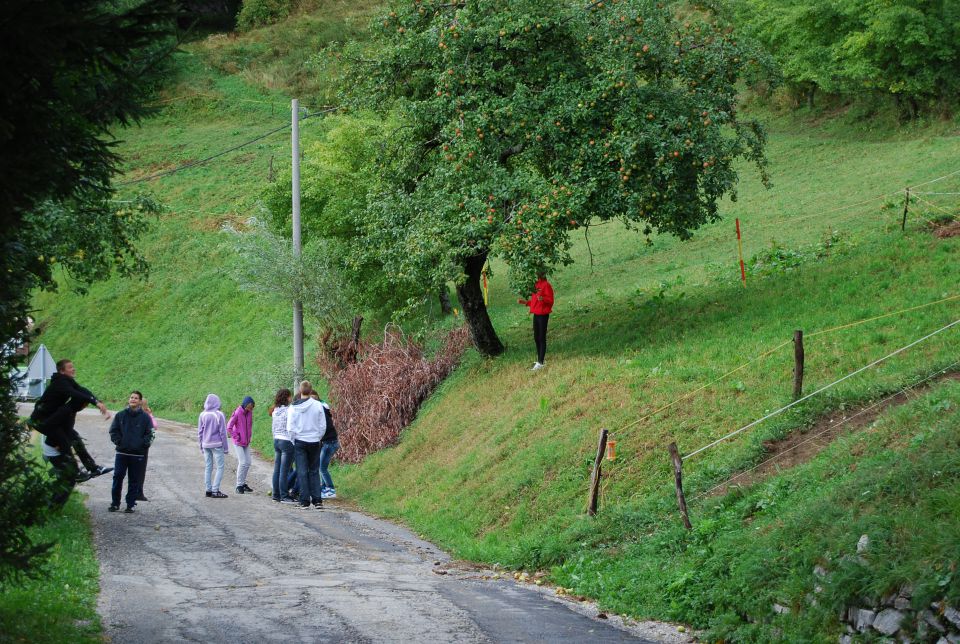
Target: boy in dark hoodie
(132,433)
(54,416)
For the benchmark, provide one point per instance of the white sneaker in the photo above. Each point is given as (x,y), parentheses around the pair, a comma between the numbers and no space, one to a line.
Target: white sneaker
(328,494)
(536,365)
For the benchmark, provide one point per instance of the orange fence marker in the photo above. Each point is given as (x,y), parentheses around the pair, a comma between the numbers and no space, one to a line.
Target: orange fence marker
(743,270)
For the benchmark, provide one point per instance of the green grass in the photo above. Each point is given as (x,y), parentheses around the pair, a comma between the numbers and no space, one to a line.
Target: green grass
(897,482)
(495,467)
(60,605)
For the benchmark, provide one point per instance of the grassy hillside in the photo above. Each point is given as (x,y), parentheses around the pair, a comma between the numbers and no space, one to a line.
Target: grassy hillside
(187,330)
(495,468)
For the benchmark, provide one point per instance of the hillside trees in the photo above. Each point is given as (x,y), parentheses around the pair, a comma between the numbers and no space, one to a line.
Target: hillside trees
(907,49)
(521,121)
(70,71)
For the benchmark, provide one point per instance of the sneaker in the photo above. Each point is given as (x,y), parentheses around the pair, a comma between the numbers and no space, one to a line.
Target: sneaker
(288,501)
(536,366)
(329,493)
(82,476)
(209,493)
(301,506)
(129,510)
(217,494)
(239,489)
(99,470)
(318,506)
(142,498)
(275,499)
(113,508)
(246,488)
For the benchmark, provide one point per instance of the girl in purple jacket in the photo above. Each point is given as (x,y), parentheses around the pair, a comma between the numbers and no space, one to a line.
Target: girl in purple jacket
(212,436)
(240,428)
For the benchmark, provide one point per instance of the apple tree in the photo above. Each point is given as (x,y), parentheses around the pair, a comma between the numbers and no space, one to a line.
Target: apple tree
(520,121)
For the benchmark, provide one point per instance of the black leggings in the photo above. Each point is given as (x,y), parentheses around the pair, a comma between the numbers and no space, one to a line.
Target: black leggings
(540,335)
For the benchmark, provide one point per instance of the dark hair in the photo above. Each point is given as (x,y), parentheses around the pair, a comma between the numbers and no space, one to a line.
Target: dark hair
(63,363)
(138,393)
(282,398)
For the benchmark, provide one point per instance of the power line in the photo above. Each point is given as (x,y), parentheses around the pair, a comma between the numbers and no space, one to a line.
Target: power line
(199,162)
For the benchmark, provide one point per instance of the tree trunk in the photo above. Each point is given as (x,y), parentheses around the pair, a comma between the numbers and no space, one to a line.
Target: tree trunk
(445,307)
(475,311)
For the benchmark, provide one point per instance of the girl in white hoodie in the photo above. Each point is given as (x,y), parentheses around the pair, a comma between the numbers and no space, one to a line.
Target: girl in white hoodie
(306,425)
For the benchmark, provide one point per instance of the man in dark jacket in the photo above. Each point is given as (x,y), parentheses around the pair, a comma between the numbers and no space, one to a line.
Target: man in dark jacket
(55,414)
(132,433)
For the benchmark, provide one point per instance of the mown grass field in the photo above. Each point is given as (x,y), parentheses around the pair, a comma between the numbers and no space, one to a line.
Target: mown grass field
(495,468)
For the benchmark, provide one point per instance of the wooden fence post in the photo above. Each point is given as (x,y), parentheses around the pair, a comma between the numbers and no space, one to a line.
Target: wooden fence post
(595,477)
(798,364)
(906,207)
(678,480)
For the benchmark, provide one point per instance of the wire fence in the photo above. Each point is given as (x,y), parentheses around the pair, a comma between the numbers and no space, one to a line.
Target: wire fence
(774,349)
(879,404)
(836,382)
(599,486)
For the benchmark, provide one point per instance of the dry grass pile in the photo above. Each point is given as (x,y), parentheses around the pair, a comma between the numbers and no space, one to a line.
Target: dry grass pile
(379,394)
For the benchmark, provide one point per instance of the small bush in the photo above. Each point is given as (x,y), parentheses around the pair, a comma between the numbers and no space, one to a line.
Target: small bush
(779,259)
(377,396)
(260,13)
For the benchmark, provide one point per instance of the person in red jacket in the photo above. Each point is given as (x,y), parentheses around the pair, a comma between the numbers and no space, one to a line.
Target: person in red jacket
(540,304)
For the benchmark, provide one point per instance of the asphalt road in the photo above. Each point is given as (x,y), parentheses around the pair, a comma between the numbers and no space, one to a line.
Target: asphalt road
(245,569)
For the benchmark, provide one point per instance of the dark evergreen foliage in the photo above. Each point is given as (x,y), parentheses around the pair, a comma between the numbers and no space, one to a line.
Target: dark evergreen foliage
(70,70)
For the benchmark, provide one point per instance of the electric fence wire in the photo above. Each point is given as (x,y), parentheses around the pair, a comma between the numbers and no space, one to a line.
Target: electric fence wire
(926,183)
(932,205)
(843,421)
(841,327)
(818,391)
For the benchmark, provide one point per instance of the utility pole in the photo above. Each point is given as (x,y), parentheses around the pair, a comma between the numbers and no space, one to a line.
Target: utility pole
(297,304)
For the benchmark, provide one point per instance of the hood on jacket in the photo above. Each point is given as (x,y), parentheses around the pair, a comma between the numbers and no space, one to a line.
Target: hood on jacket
(302,405)
(246,401)
(212,403)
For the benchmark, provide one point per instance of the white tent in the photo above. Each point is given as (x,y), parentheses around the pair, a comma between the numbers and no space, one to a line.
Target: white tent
(42,366)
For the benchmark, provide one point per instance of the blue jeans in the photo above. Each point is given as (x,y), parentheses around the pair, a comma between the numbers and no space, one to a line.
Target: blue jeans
(131,466)
(292,485)
(327,450)
(308,472)
(211,454)
(282,459)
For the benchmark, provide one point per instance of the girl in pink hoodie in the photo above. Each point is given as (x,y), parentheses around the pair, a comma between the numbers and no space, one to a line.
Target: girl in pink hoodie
(240,428)
(212,436)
